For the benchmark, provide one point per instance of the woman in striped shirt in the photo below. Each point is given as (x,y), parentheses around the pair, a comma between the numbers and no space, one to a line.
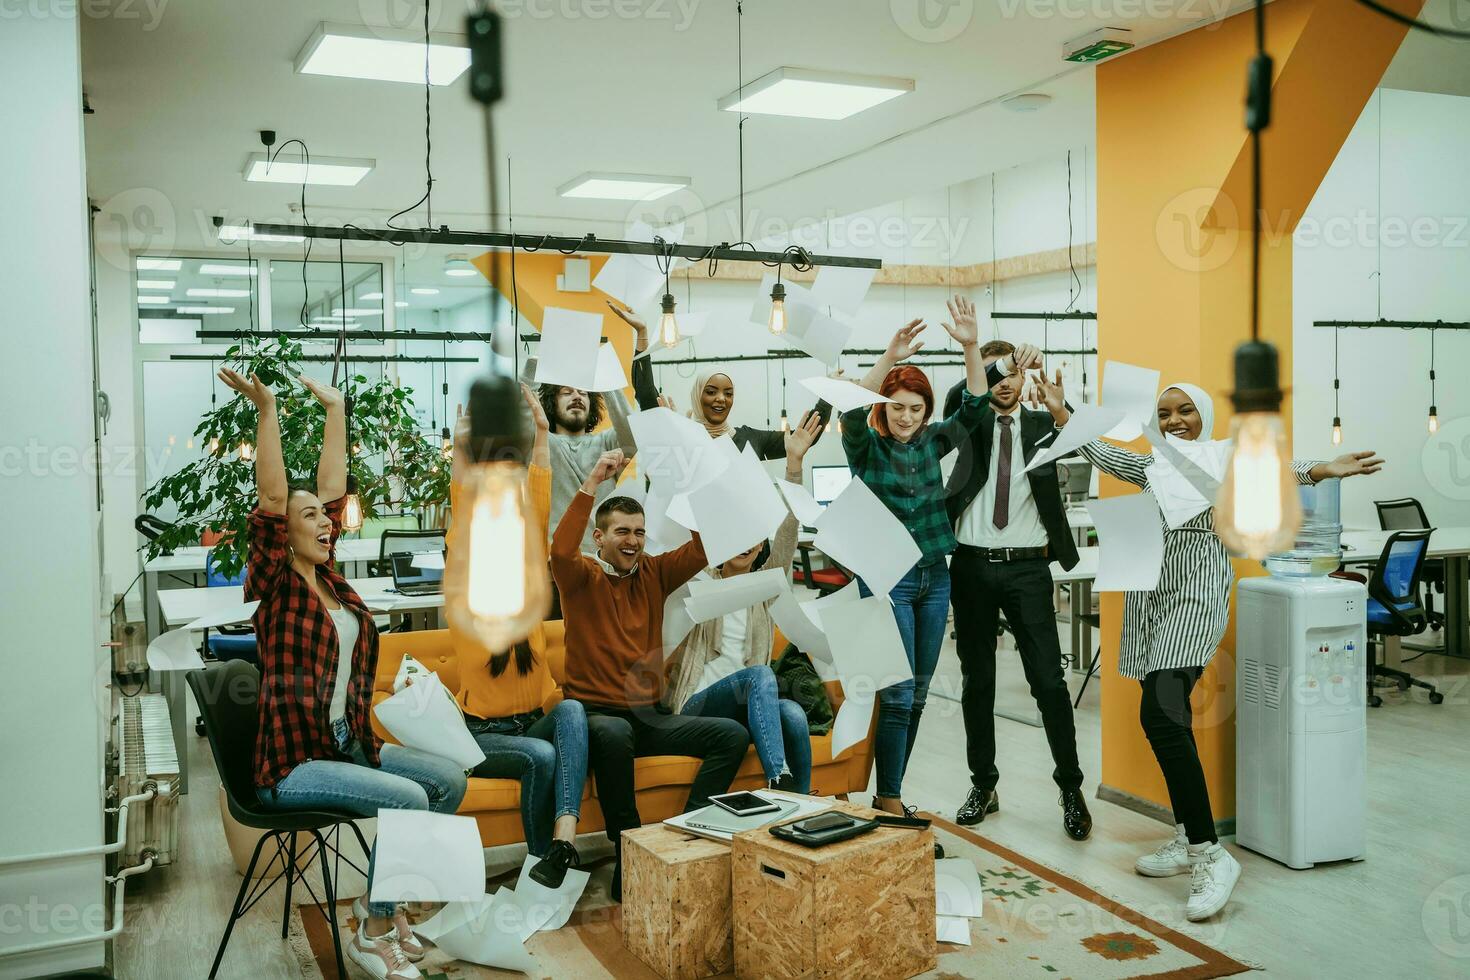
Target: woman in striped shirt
(315,747)
(1171,634)
(896,451)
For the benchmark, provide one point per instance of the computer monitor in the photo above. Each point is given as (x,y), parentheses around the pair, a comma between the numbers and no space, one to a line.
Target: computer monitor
(828,482)
(1075,477)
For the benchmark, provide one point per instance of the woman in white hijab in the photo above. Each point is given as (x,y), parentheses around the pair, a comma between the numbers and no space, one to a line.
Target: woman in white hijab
(1170,634)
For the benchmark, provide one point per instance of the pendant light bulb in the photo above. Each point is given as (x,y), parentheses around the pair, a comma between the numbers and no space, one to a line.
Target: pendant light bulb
(247,451)
(495,575)
(352,507)
(1336,431)
(1433,420)
(777,323)
(1257,510)
(785,423)
(668,327)
(446,446)
(214,445)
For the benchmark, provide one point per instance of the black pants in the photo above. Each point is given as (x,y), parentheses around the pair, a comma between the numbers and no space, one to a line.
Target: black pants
(1021,589)
(1168,722)
(616,736)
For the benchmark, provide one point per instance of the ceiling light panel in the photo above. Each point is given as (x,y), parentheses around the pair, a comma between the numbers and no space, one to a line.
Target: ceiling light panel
(206,293)
(814,94)
(350,51)
(622,187)
(334,171)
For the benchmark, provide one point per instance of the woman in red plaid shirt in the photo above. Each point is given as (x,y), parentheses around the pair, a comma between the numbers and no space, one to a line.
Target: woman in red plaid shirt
(315,748)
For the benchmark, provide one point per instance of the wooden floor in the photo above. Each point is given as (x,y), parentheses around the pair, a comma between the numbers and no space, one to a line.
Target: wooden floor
(1367,919)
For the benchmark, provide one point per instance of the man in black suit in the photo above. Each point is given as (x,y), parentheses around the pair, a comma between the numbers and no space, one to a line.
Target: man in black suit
(1011,525)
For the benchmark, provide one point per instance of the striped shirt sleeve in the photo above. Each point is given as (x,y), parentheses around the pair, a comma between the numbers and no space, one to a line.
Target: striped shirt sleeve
(1124,464)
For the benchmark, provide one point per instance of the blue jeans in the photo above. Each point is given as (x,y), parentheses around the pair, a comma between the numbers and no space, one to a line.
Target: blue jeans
(921,606)
(547,754)
(777,727)
(406,779)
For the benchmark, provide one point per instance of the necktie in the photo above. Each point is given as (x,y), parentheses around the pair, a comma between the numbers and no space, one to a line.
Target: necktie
(1002,515)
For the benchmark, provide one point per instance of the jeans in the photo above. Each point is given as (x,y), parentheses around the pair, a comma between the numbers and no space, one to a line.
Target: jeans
(1168,722)
(618,735)
(548,755)
(1022,590)
(777,727)
(406,779)
(921,606)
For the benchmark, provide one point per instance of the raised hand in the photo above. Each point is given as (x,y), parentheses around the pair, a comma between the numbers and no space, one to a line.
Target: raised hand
(964,329)
(633,320)
(800,439)
(538,412)
(1355,464)
(329,397)
(608,464)
(664,401)
(1027,356)
(258,392)
(905,342)
(1049,395)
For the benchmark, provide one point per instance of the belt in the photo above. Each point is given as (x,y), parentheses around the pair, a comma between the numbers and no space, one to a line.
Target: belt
(1007,554)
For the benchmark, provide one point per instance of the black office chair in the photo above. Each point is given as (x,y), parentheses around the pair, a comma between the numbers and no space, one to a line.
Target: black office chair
(1095,621)
(227,695)
(1407,514)
(1393,607)
(405,541)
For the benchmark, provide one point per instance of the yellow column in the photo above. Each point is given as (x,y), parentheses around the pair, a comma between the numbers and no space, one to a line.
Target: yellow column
(1173,177)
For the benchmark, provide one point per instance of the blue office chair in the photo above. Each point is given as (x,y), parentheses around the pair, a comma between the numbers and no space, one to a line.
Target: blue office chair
(1393,606)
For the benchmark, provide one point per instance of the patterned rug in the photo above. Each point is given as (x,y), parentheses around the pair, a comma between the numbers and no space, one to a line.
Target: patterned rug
(1038,923)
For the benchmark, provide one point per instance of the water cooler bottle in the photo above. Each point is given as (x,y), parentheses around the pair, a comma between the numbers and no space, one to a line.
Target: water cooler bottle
(1301,689)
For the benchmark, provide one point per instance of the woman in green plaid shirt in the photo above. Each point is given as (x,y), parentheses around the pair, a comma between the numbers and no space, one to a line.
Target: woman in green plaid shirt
(896,451)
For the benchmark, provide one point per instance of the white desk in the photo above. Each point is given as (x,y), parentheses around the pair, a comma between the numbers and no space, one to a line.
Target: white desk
(180,606)
(1450,543)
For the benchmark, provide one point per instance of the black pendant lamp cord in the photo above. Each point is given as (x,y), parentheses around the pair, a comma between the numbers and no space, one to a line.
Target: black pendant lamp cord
(428,199)
(1257,118)
(1413,23)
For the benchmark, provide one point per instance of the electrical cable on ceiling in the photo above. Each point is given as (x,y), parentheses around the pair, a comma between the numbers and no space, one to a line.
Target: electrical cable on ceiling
(1418,25)
(428,198)
(740,97)
(306,254)
(1076,282)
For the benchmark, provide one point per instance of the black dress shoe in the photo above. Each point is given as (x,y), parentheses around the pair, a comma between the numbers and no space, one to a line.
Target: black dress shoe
(551,870)
(976,806)
(1076,820)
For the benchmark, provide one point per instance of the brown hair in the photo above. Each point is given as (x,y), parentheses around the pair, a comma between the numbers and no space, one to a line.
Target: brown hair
(997,348)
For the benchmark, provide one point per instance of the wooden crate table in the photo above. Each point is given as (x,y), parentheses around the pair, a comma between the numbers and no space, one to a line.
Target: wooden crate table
(863,907)
(676,902)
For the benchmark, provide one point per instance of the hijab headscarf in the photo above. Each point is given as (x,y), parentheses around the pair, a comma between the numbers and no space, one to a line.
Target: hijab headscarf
(696,406)
(1203,403)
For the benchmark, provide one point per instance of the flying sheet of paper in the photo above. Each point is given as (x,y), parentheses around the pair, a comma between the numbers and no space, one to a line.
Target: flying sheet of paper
(952,929)
(737,510)
(1132,390)
(548,908)
(842,288)
(631,279)
(1130,542)
(451,916)
(677,622)
(569,350)
(799,303)
(718,597)
(662,532)
(802,504)
(817,334)
(866,645)
(957,889)
(429,559)
(423,716)
(608,374)
(427,857)
(853,720)
(843,395)
(1087,423)
(859,532)
(676,453)
(175,650)
(489,934)
(797,625)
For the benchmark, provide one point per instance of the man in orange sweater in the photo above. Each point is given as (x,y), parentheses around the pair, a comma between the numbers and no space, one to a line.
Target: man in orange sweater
(613,604)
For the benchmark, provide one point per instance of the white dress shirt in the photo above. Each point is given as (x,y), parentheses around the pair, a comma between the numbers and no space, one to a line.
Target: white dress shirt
(1023,529)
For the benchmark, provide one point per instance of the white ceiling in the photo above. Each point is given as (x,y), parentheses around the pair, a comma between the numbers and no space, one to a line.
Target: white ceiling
(178,107)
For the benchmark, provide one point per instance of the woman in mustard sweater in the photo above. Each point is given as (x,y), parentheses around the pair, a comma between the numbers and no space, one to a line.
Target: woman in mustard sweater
(503,695)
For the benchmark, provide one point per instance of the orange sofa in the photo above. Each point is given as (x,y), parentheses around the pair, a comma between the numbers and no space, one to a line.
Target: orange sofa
(662,782)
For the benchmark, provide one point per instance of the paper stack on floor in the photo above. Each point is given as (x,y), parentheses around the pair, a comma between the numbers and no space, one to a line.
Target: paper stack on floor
(957,899)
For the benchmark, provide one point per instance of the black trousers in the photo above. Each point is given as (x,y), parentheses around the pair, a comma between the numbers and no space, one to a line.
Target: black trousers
(981,591)
(616,736)
(1168,722)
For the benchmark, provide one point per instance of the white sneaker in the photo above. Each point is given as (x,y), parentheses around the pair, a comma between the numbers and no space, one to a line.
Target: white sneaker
(402,931)
(1171,858)
(381,957)
(1213,873)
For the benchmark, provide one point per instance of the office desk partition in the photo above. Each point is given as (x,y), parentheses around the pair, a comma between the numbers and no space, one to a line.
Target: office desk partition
(1450,543)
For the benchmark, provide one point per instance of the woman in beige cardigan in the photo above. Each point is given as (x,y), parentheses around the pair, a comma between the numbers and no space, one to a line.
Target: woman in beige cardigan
(723,668)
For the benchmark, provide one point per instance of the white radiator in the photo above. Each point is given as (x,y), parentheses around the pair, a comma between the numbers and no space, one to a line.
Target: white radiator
(146,754)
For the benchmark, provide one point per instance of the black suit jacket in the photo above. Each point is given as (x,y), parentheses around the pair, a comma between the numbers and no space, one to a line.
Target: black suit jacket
(972,468)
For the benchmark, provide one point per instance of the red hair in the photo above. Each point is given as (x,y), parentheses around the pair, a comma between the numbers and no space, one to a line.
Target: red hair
(905,377)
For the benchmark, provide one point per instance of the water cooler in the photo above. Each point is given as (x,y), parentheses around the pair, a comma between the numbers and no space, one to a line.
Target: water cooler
(1301,690)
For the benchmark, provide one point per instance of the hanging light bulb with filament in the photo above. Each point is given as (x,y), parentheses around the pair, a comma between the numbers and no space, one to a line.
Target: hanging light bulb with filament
(352,507)
(1257,511)
(247,451)
(446,444)
(668,327)
(1336,431)
(777,323)
(495,576)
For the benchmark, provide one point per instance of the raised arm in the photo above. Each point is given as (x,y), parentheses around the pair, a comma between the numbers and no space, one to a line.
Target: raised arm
(270,467)
(1363,463)
(905,344)
(645,390)
(331,466)
(1113,460)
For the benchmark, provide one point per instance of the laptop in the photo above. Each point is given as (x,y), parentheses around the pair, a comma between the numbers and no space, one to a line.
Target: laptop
(412,579)
(827,482)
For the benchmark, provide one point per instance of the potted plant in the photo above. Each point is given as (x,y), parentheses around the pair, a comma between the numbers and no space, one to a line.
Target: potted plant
(217,491)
